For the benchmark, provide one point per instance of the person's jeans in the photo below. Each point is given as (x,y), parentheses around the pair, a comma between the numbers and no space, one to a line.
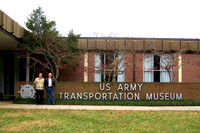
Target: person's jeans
(39,96)
(50,90)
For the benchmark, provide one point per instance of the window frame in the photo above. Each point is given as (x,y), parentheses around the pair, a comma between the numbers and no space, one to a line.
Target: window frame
(101,70)
(152,70)
(105,68)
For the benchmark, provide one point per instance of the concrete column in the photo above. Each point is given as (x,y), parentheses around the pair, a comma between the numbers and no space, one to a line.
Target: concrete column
(180,68)
(86,67)
(27,69)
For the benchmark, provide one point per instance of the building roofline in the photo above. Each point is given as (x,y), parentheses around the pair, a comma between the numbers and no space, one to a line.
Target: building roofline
(9,34)
(10,27)
(138,38)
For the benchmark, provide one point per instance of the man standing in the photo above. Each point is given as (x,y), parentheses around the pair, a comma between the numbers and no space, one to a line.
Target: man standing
(39,82)
(50,85)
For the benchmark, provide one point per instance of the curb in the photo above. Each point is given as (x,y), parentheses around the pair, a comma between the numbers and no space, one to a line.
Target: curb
(10,105)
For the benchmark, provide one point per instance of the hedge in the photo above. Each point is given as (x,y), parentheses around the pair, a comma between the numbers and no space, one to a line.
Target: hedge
(115,102)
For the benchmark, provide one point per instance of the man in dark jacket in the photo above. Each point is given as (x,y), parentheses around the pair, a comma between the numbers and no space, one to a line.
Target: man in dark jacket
(50,85)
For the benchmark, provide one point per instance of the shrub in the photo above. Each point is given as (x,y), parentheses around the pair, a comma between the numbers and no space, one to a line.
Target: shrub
(114,102)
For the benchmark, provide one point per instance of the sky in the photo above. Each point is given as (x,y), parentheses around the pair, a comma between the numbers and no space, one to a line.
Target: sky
(116,18)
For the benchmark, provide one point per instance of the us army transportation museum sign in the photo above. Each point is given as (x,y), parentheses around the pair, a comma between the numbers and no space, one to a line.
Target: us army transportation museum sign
(117,91)
(126,91)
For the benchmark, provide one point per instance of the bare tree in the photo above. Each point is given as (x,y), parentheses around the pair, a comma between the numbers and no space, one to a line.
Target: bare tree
(111,57)
(169,61)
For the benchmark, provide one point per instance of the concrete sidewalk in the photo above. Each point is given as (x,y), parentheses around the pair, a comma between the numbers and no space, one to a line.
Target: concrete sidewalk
(95,107)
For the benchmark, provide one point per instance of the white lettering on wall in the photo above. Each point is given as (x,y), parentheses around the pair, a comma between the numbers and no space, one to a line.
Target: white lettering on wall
(179,97)
(148,97)
(60,95)
(72,96)
(172,94)
(102,87)
(108,86)
(120,87)
(130,87)
(126,86)
(66,96)
(91,95)
(115,97)
(120,96)
(140,86)
(137,96)
(110,94)
(79,95)
(155,96)
(166,96)
(163,96)
(104,96)
(99,97)
(85,96)
(124,96)
(128,96)
(126,93)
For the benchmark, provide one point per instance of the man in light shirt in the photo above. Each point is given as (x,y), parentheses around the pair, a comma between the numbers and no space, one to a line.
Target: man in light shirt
(50,85)
(39,82)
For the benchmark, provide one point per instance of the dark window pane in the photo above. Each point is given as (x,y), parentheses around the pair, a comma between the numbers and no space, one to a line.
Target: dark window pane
(110,77)
(109,58)
(156,76)
(102,58)
(156,68)
(156,62)
(22,69)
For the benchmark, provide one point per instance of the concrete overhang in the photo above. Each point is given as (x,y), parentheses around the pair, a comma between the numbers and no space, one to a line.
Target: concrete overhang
(10,32)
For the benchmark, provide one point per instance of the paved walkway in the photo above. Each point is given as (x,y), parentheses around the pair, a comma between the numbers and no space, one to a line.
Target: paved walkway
(95,107)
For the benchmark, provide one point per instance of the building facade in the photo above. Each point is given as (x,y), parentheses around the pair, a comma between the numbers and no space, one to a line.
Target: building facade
(11,67)
(138,60)
(106,59)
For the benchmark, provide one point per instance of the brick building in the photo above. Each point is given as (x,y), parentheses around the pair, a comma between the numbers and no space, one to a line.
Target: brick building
(142,60)
(107,59)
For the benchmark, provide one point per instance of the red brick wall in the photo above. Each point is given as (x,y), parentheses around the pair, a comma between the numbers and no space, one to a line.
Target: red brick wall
(138,67)
(190,91)
(134,68)
(129,66)
(69,74)
(91,65)
(191,67)
(175,67)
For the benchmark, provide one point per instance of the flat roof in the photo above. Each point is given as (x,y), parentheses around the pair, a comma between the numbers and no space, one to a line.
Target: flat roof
(138,38)
(10,27)
(10,32)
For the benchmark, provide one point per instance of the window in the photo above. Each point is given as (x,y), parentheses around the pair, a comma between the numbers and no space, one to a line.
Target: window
(109,67)
(157,68)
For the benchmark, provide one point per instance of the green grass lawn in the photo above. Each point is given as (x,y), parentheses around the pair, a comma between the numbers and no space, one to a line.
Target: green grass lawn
(27,120)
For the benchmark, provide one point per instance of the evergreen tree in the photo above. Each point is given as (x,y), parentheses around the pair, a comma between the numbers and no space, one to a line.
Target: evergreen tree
(43,44)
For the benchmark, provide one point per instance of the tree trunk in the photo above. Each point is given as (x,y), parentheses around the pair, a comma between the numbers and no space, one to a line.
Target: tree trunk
(57,73)
(169,76)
